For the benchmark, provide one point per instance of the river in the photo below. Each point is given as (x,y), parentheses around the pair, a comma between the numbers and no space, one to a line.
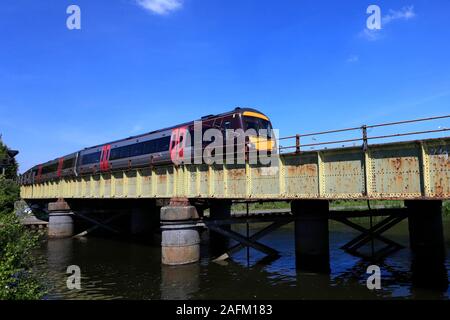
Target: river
(122,269)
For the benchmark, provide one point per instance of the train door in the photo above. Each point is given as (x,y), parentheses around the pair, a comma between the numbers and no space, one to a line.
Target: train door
(39,174)
(178,144)
(104,157)
(60,166)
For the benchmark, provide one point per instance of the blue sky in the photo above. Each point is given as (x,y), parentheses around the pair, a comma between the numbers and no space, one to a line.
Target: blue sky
(139,65)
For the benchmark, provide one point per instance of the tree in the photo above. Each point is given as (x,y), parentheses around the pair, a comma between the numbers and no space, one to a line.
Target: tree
(12,167)
(16,243)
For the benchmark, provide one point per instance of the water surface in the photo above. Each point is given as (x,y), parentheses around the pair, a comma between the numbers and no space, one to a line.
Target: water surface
(120,269)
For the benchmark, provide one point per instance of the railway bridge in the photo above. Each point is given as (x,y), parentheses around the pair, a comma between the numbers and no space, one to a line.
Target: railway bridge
(182,199)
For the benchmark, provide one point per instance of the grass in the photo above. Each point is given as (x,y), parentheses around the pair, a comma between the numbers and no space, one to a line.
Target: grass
(337,204)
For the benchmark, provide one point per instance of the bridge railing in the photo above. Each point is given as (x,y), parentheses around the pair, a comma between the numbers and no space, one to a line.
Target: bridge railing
(295,142)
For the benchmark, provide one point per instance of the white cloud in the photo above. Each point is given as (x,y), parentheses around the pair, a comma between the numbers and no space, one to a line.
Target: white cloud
(136,128)
(404,13)
(353,58)
(161,7)
(370,35)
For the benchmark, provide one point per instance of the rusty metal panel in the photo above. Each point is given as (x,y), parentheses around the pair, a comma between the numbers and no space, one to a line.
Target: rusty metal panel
(131,177)
(146,183)
(396,172)
(300,175)
(218,181)
(264,181)
(95,186)
(439,166)
(191,177)
(107,192)
(236,180)
(117,184)
(203,180)
(343,174)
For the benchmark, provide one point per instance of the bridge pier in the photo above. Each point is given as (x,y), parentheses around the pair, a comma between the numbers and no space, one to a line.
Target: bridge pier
(427,244)
(180,236)
(60,223)
(218,243)
(311,235)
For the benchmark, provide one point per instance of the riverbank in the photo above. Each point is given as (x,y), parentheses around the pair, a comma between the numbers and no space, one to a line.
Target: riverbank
(335,205)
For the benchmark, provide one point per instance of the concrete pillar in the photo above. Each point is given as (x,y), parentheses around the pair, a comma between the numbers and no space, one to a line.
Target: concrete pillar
(60,223)
(180,237)
(218,244)
(426,236)
(311,235)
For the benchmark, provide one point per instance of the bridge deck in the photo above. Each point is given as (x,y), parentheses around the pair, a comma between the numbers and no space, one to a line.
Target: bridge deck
(403,170)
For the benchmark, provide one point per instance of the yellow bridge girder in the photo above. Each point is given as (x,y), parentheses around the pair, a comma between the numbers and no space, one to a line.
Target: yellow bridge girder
(401,170)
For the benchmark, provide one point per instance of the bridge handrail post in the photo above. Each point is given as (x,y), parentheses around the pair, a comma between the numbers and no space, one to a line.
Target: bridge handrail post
(365,139)
(297,143)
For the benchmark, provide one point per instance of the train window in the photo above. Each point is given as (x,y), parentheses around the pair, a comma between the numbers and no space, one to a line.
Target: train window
(125,152)
(91,158)
(68,163)
(138,149)
(257,124)
(149,147)
(50,168)
(163,144)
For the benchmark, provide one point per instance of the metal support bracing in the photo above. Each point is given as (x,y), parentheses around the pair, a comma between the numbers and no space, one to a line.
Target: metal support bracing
(96,222)
(243,240)
(258,235)
(369,234)
(222,226)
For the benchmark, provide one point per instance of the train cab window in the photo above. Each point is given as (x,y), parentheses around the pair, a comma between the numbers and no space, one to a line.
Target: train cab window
(257,124)
(91,158)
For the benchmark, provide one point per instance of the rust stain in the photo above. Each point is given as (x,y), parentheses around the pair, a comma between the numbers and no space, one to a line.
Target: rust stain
(236,174)
(303,170)
(439,188)
(396,163)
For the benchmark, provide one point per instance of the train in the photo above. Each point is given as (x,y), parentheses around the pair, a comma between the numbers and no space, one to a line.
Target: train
(155,148)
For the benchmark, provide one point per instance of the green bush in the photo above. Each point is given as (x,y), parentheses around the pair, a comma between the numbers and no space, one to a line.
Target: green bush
(446,208)
(16,245)
(9,193)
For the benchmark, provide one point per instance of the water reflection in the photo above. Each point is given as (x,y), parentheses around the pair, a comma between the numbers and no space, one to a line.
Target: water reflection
(116,269)
(179,282)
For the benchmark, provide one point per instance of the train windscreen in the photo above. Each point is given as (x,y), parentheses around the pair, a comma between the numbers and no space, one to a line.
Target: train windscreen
(258,124)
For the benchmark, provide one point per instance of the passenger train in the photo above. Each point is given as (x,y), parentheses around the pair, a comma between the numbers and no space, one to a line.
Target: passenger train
(150,149)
